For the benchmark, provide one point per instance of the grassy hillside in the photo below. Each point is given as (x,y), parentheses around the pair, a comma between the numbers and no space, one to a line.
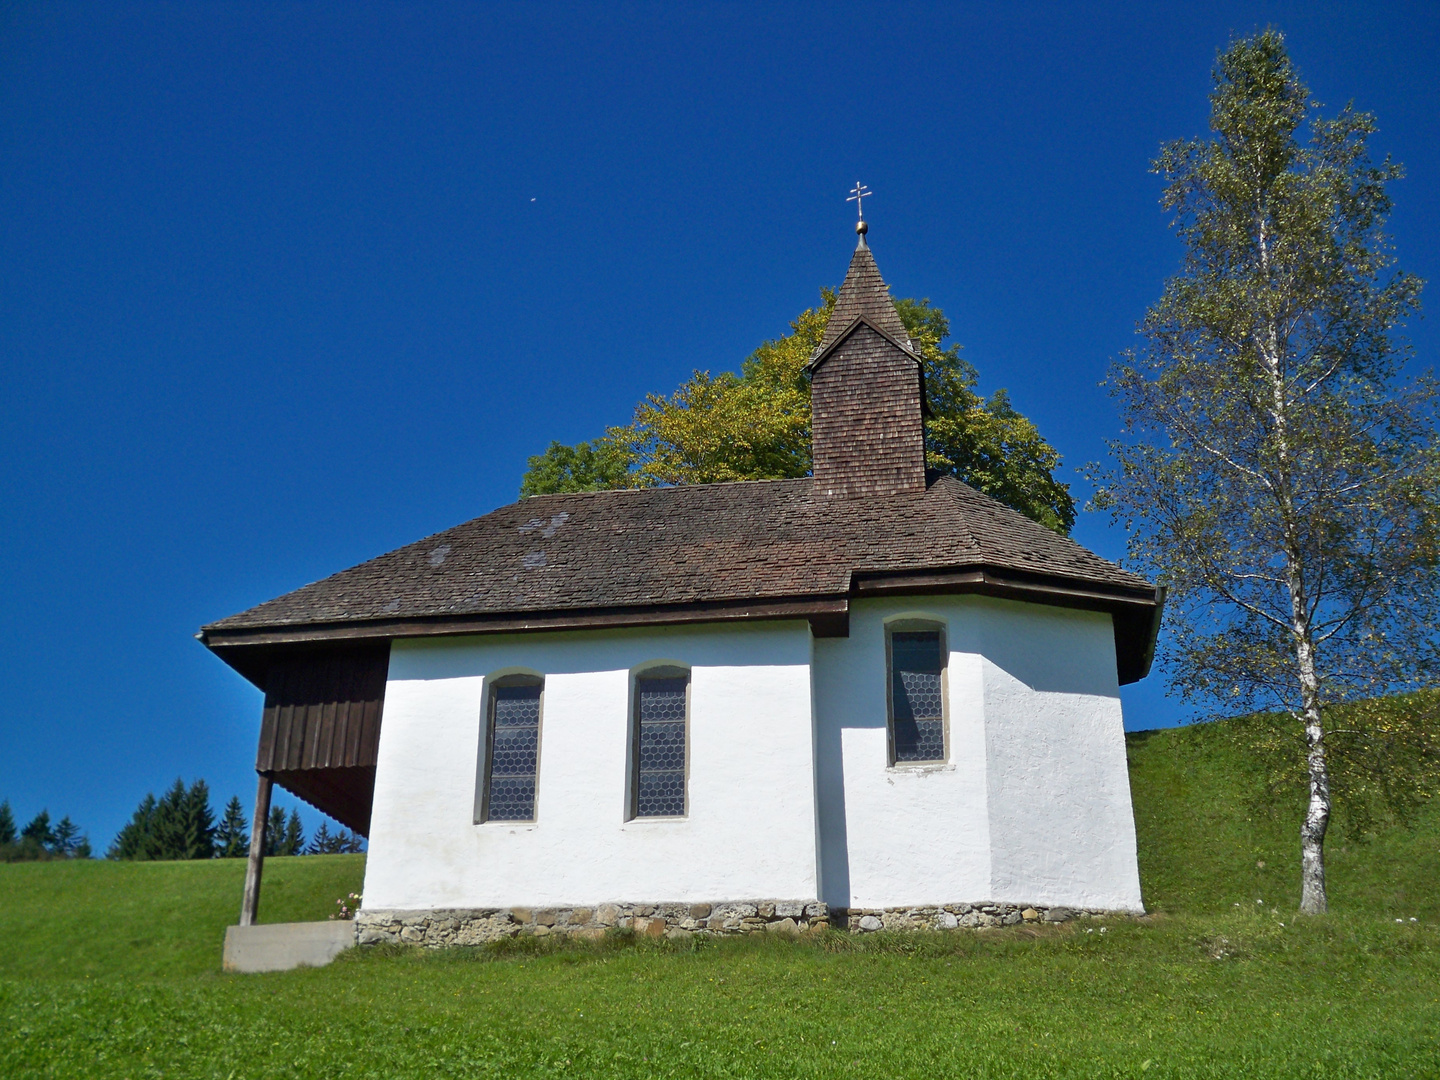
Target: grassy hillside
(1206,842)
(96,918)
(113,970)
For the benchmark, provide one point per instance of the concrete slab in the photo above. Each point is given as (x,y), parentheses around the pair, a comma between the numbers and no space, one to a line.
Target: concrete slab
(282,946)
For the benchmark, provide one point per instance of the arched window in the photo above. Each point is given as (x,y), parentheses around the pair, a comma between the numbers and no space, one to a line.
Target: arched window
(916,657)
(660,743)
(512,749)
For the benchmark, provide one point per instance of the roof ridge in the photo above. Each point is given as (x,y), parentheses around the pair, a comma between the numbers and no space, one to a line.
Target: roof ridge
(655,487)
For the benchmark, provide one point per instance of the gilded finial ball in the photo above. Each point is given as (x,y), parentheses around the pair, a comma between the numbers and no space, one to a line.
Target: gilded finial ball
(862,227)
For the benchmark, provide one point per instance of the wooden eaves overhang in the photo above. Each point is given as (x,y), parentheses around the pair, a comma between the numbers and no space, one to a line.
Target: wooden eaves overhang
(1136,613)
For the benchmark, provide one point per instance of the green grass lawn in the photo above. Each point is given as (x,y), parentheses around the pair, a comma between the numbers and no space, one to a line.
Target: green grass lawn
(113,970)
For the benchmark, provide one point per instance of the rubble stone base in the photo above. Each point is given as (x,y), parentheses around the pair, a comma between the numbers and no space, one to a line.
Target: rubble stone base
(475,926)
(956,916)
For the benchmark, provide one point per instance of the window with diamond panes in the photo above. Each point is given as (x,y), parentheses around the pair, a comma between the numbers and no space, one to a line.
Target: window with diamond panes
(514,752)
(917,721)
(660,746)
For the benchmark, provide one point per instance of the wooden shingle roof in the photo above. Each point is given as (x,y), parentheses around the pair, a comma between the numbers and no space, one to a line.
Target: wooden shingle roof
(759,549)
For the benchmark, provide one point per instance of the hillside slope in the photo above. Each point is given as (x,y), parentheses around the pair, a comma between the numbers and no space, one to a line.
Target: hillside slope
(1207,841)
(1202,843)
(148,919)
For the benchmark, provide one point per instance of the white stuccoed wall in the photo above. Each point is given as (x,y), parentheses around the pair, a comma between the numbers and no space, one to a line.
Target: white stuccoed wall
(750,832)
(1062,828)
(1033,803)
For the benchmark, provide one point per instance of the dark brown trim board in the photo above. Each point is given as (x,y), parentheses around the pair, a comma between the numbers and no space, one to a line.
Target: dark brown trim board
(255,651)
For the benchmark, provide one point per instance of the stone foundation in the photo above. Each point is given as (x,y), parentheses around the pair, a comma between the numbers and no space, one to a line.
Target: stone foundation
(956,916)
(475,926)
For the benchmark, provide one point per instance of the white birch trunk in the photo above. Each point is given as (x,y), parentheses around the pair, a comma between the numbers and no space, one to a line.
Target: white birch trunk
(1317,810)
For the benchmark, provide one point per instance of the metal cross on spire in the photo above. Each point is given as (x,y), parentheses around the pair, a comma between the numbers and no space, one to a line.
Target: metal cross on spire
(858,193)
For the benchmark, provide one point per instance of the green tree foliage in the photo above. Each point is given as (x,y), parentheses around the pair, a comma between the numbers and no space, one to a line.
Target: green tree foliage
(756,426)
(198,836)
(294,835)
(1279,475)
(751,426)
(180,825)
(600,465)
(136,840)
(39,839)
(274,831)
(67,842)
(39,832)
(1383,757)
(321,841)
(284,836)
(232,835)
(324,842)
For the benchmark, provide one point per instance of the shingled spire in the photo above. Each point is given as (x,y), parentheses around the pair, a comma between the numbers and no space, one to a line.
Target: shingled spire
(866,392)
(864,293)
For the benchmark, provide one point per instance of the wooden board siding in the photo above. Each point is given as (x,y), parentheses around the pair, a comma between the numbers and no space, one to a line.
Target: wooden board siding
(867,424)
(323,709)
(320,731)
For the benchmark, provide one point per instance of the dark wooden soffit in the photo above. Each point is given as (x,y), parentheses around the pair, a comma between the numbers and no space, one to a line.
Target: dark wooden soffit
(320,729)
(345,794)
(323,708)
(252,651)
(1136,614)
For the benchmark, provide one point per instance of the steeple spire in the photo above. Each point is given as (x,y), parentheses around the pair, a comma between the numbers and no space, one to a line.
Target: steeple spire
(867,391)
(864,293)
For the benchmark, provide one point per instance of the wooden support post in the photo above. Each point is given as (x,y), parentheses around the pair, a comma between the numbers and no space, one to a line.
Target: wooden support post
(250,905)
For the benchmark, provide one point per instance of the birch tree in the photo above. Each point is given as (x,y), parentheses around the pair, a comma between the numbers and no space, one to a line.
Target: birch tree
(1279,470)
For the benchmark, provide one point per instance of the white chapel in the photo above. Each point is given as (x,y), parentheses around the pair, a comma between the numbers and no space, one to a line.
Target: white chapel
(866,698)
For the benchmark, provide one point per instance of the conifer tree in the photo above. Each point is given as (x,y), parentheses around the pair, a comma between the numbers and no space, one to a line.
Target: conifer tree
(197,833)
(167,827)
(232,836)
(179,825)
(275,832)
(66,839)
(322,843)
(7,823)
(38,836)
(136,840)
(294,835)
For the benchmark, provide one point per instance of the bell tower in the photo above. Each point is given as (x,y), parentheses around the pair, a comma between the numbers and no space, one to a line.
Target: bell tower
(867,392)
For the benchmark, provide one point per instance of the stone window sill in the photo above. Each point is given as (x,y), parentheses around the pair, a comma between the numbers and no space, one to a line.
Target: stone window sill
(921,767)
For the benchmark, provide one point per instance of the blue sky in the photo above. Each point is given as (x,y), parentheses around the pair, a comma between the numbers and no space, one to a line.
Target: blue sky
(284,286)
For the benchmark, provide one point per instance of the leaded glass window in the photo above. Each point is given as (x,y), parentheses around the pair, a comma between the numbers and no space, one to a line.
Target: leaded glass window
(660,745)
(514,751)
(917,715)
